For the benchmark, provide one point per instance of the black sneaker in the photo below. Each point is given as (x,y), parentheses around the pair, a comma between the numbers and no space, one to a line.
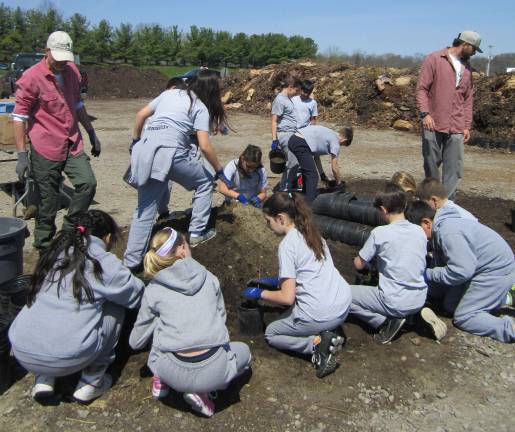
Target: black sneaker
(389,330)
(324,353)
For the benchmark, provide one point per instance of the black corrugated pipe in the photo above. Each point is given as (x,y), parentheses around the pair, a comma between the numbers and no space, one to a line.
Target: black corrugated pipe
(347,206)
(351,233)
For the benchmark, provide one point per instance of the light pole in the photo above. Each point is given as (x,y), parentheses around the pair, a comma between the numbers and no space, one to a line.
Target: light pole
(489,60)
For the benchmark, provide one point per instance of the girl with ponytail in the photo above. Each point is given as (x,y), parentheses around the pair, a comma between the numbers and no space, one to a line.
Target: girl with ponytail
(318,296)
(75,309)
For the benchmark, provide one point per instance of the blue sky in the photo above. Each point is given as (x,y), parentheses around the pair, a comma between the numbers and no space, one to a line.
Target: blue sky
(399,26)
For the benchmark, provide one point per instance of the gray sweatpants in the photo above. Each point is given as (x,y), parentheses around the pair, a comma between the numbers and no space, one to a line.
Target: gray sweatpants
(296,334)
(473,312)
(190,174)
(439,148)
(369,307)
(91,364)
(214,373)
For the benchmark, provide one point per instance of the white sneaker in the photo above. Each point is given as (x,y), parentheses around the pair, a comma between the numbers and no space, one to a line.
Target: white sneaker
(85,392)
(200,403)
(43,387)
(204,237)
(438,327)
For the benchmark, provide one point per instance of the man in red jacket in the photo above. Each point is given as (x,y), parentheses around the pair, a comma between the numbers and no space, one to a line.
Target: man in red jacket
(48,110)
(444,98)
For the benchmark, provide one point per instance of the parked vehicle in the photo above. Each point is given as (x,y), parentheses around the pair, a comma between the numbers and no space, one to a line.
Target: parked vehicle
(194,72)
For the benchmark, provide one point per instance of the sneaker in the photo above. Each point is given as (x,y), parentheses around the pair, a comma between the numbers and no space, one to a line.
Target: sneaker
(159,388)
(438,327)
(43,387)
(201,403)
(204,237)
(389,330)
(324,353)
(510,298)
(85,392)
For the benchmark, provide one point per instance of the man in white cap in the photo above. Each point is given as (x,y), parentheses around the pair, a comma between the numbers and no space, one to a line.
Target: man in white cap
(48,110)
(444,99)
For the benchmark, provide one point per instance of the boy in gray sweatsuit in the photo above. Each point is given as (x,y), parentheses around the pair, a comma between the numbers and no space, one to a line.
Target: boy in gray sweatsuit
(474,267)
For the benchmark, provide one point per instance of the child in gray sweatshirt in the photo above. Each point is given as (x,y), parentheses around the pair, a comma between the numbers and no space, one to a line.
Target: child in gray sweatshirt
(473,266)
(75,309)
(183,313)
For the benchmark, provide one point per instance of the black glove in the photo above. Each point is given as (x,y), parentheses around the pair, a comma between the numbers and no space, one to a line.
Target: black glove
(95,143)
(22,166)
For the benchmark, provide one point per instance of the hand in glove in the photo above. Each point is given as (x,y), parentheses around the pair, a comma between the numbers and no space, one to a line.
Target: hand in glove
(22,166)
(243,199)
(275,144)
(270,282)
(252,293)
(220,175)
(256,201)
(95,143)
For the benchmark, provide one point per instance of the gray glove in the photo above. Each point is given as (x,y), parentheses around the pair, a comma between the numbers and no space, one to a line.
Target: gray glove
(95,143)
(22,166)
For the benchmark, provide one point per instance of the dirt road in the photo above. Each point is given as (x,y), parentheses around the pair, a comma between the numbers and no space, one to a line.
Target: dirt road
(464,383)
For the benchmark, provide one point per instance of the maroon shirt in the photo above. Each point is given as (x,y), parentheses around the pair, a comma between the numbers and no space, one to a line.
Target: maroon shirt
(53,126)
(449,106)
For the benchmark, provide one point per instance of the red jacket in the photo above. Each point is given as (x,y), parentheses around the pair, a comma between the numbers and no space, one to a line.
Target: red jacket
(53,126)
(449,106)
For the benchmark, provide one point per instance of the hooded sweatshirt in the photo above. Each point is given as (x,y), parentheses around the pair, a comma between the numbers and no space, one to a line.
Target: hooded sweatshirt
(56,326)
(183,308)
(466,250)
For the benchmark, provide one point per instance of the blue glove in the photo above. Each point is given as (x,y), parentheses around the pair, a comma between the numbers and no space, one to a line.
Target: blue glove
(256,201)
(271,281)
(220,175)
(133,143)
(252,293)
(425,277)
(275,144)
(243,199)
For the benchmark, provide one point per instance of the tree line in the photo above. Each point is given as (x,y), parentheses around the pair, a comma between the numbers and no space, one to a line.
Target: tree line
(27,31)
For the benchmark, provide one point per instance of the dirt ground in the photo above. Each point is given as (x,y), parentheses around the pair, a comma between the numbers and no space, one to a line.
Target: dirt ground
(464,383)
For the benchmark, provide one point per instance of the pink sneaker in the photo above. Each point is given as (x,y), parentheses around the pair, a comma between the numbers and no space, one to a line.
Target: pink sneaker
(159,388)
(200,403)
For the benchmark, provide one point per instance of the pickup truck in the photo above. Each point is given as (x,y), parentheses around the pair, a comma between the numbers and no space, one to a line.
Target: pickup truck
(20,64)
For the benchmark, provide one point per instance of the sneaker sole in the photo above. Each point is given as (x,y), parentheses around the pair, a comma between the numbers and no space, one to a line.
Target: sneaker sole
(197,406)
(438,327)
(102,390)
(329,368)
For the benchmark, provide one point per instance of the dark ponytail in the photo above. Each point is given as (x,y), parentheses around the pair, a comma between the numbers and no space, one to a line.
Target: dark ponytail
(294,205)
(68,253)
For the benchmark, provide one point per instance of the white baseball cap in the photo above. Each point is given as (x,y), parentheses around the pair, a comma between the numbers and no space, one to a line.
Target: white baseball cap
(61,46)
(472,38)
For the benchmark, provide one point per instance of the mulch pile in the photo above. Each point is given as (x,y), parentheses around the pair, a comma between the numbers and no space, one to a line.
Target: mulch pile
(375,97)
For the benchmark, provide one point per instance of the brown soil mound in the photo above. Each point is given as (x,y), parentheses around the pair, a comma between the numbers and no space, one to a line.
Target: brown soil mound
(375,97)
(124,82)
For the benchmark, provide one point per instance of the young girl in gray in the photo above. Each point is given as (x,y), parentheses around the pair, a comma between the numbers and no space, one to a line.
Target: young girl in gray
(308,282)
(249,178)
(183,313)
(75,309)
(163,154)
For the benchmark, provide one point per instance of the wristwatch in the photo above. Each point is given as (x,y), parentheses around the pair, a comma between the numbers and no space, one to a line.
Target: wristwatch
(423,114)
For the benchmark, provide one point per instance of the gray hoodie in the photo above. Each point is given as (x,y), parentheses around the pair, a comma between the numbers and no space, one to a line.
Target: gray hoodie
(183,308)
(58,327)
(465,249)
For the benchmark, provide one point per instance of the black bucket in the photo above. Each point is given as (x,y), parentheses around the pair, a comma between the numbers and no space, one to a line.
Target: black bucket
(13,232)
(513,220)
(250,319)
(277,161)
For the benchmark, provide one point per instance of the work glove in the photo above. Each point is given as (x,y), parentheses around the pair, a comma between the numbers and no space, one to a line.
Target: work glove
(220,175)
(22,165)
(256,201)
(95,143)
(275,144)
(243,199)
(252,293)
(133,143)
(270,282)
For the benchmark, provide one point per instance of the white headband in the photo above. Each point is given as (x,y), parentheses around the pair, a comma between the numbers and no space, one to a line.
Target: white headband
(167,246)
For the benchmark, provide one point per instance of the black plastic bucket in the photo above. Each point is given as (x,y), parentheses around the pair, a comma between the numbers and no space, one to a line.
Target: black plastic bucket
(250,319)
(277,161)
(13,232)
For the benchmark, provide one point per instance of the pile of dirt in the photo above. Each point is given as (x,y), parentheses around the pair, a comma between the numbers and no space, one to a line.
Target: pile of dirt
(374,97)
(124,82)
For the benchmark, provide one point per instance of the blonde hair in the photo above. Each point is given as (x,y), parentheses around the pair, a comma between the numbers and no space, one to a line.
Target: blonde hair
(406,182)
(154,263)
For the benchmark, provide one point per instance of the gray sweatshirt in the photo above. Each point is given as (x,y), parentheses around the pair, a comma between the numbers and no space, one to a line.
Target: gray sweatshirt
(58,327)
(465,249)
(183,308)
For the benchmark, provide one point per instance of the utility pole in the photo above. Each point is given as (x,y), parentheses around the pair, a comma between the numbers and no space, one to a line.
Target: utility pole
(489,60)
